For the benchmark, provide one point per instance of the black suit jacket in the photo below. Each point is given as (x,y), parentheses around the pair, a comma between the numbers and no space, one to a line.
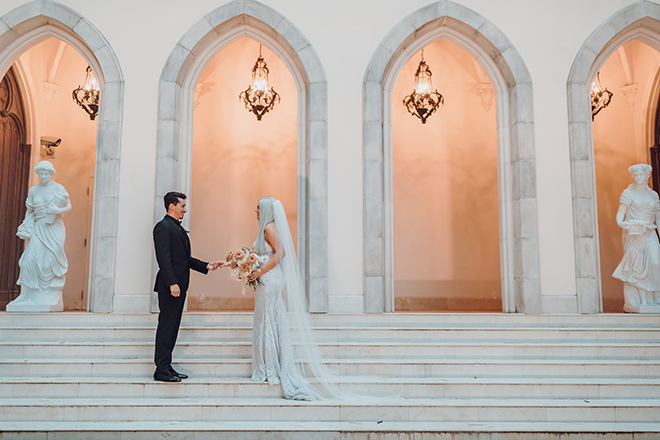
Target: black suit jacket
(173,255)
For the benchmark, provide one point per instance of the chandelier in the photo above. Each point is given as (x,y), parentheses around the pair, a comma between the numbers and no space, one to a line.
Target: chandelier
(87,96)
(423,101)
(259,97)
(600,97)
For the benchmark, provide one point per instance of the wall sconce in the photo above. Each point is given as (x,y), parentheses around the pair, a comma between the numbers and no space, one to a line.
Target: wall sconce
(423,101)
(87,96)
(600,97)
(259,97)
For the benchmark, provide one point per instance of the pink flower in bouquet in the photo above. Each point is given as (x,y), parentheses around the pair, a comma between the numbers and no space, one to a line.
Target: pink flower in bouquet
(252,258)
(230,256)
(239,255)
(245,267)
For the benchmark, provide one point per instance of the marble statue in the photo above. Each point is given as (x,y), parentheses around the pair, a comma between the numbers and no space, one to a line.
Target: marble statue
(639,216)
(43,263)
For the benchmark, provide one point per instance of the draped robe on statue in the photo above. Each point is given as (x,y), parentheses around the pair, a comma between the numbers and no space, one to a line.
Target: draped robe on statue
(44,263)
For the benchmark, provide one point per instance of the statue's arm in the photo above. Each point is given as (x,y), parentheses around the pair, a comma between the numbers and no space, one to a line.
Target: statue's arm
(57,207)
(621,216)
(24,230)
(52,209)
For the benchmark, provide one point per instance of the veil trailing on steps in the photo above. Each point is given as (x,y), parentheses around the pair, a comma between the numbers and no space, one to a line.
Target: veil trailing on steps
(306,353)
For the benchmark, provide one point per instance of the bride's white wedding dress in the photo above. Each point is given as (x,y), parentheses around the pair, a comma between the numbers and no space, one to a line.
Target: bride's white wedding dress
(284,349)
(272,352)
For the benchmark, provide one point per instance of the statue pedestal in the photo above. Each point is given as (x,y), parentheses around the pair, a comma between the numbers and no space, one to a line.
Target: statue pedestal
(25,306)
(651,309)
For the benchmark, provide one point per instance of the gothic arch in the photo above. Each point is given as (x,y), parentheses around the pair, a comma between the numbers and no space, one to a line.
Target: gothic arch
(182,70)
(640,21)
(39,20)
(512,85)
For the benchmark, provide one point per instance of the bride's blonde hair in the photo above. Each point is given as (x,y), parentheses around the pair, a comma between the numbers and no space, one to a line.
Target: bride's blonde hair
(266,216)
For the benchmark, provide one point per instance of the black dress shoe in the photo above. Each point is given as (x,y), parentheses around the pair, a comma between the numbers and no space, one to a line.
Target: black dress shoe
(178,375)
(166,378)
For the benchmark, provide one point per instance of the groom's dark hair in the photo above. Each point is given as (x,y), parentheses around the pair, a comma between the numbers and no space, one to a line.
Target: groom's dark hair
(172,198)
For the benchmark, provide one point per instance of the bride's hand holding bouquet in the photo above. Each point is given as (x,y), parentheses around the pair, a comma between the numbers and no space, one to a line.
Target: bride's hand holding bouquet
(244,263)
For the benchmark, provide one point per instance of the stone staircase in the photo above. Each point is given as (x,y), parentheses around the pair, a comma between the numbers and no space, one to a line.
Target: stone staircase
(481,376)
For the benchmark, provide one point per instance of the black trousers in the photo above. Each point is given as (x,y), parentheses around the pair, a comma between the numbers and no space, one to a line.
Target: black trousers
(169,320)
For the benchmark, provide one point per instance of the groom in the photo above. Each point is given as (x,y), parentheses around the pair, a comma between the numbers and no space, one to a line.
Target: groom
(174,263)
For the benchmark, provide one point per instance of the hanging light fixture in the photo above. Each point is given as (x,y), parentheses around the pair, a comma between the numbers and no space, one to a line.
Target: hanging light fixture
(600,97)
(423,101)
(259,97)
(87,95)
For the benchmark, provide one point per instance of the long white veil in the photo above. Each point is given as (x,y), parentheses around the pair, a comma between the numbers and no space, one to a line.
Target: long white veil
(306,353)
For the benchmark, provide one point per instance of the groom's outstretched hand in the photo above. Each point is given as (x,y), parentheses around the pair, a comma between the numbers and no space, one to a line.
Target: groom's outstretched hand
(215,265)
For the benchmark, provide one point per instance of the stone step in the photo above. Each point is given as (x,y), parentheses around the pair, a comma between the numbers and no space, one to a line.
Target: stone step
(346,350)
(395,334)
(469,373)
(355,410)
(442,368)
(320,430)
(243,387)
(363,320)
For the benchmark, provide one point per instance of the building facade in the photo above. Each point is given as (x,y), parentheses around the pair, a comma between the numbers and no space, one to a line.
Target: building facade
(503,201)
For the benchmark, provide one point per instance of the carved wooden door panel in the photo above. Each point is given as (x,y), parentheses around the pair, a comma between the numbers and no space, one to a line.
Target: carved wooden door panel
(655,151)
(14,176)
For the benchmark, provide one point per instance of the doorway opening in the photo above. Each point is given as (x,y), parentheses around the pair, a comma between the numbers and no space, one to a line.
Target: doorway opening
(236,159)
(620,134)
(445,189)
(46,74)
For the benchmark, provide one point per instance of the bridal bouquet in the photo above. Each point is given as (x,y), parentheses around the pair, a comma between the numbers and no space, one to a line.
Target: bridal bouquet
(242,263)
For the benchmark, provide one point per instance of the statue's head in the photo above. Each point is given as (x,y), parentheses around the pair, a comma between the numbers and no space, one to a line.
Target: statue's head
(640,172)
(45,170)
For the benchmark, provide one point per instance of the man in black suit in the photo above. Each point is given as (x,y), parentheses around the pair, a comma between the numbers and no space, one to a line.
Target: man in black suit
(174,262)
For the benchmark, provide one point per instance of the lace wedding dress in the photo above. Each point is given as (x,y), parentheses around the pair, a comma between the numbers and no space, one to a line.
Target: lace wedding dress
(284,349)
(272,352)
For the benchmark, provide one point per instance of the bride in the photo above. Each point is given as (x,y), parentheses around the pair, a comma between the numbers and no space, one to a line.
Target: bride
(283,347)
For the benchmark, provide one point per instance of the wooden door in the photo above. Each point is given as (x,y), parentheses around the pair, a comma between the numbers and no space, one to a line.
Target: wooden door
(14,175)
(655,151)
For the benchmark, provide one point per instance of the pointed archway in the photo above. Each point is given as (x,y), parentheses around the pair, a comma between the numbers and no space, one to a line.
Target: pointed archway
(640,21)
(37,21)
(180,75)
(521,290)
